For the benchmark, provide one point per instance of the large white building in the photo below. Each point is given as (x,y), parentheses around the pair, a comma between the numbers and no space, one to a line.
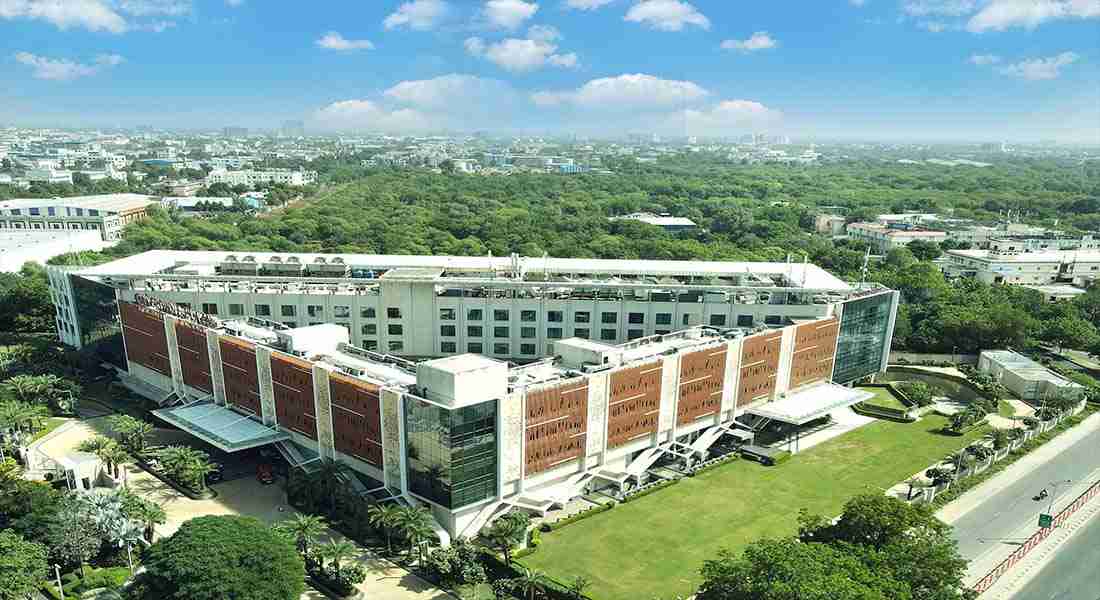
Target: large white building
(884,238)
(19,246)
(1078,267)
(250,177)
(467,435)
(108,213)
(1026,378)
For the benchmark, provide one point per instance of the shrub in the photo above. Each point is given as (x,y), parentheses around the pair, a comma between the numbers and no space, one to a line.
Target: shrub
(584,514)
(649,489)
(781,458)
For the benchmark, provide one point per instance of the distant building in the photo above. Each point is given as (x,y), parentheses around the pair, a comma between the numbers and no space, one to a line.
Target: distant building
(1057,292)
(107,213)
(19,246)
(1079,267)
(1026,378)
(184,188)
(49,175)
(664,221)
(885,239)
(197,204)
(235,132)
(829,224)
(252,177)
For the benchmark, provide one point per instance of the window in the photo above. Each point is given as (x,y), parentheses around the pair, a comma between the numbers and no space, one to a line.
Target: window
(290,324)
(367,313)
(499,348)
(773,320)
(500,315)
(744,320)
(635,318)
(397,346)
(582,316)
(263,310)
(287,310)
(236,310)
(447,330)
(554,333)
(528,349)
(608,334)
(473,331)
(718,320)
(554,316)
(474,348)
(581,333)
(448,347)
(633,334)
(528,316)
(315,310)
(393,313)
(369,329)
(50,211)
(395,329)
(687,319)
(501,332)
(609,318)
(446,314)
(35,212)
(664,318)
(341,312)
(474,314)
(371,345)
(209,308)
(527,332)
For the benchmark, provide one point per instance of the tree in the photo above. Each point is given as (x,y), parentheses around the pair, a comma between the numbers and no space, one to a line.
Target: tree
(924,250)
(73,537)
(21,416)
(384,517)
(23,566)
(303,529)
(578,585)
(505,533)
(146,512)
(218,557)
(133,433)
(336,552)
(530,582)
(1070,331)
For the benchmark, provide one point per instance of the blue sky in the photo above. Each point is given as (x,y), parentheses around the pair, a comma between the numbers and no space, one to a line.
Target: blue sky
(812,69)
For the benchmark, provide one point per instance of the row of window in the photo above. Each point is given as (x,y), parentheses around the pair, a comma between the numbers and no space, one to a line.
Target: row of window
(52,212)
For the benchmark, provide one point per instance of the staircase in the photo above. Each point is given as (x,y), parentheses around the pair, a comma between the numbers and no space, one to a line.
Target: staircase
(645,460)
(484,516)
(294,457)
(707,439)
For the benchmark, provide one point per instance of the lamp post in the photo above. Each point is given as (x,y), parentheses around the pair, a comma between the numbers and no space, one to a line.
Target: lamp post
(57,572)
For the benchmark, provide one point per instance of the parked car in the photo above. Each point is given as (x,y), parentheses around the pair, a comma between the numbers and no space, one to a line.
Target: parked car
(264,474)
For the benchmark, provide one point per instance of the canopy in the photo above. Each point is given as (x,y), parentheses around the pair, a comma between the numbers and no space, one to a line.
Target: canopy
(221,426)
(809,403)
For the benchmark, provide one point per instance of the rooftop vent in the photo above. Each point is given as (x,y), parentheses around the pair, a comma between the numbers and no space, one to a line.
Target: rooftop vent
(275,259)
(231,258)
(292,259)
(251,259)
(338,261)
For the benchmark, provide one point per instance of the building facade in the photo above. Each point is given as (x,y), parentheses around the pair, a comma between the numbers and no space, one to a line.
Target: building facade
(884,238)
(250,177)
(1078,267)
(108,213)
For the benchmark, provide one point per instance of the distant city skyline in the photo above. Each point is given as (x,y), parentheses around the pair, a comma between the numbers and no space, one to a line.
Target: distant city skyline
(921,70)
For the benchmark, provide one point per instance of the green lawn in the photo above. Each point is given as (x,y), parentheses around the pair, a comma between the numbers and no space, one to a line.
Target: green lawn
(885,398)
(654,546)
(51,424)
(1005,409)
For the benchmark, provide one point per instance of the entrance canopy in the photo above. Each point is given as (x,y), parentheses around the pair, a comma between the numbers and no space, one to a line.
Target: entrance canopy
(807,404)
(221,426)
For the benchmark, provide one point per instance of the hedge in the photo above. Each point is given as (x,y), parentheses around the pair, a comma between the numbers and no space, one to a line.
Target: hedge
(89,578)
(552,589)
(718,462)
(883,412)
(652,488)
(781,458)
(584,514)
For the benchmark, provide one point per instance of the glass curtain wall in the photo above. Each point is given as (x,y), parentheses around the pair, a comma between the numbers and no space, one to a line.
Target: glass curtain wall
(864,329)
(451,454)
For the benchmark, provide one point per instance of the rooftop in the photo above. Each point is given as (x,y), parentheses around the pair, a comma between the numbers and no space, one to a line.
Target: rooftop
(105,202)
(14,239)
(1025,367)
(658,220)
(1042,256)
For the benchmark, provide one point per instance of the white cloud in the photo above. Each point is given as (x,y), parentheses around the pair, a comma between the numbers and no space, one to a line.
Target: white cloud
(587,4)
(94,15)
(666,15)
(520,55)
(234,3)
(726,117)
(1039,69)
(145,8)
(999,15)
(60,69)
(442,93)
(474,46)
(365,115)
(334,41)
(939,8)
(761,40)
(857,2)
(543,33)
(625,91)
(983,59)
(419,15)
(508,14)
(567,61)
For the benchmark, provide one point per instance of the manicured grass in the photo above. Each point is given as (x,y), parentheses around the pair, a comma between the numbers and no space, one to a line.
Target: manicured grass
(656,544)
(885,398)
(51,424)
(1005,409)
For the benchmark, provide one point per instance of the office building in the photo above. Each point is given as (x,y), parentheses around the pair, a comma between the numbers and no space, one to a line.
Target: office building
(107,213)
(467,435)
(251,177)
(1076,267)
(665,221)
(1026,378)
(49,175)
(884,238)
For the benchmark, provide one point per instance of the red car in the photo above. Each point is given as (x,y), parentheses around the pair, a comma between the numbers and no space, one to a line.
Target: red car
(264,474)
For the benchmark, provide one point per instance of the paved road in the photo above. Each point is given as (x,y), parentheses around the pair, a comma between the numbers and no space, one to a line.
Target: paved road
(994,525)
(1073,573)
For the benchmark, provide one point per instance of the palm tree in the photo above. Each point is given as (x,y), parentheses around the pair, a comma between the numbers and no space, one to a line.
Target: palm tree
(384,517)
(21,416)
(10,472)
(578,585)
(503,534)
(530,582)
(114,455)
(413,523)
(337,552)
(329,482)
(148,513)
(133,433)
(304,529)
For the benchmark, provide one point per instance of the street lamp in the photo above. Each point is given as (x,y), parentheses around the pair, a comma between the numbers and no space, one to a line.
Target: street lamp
(57,571)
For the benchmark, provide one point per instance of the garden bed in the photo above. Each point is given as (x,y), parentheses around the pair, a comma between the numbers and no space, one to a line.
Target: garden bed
(208,494)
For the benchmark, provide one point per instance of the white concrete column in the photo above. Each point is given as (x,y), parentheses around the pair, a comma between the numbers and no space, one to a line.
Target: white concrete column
(322,409)
(174,354)
(217,376)
(512,416)
(599,386)
(393,459)
(786,358)
(670,397)
(730,380)
(267,388)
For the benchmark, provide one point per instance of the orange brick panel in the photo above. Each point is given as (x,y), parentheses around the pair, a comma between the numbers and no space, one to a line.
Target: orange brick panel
(194,356)
(557,422)
(814,351)
(292,384)
(356,418)
(242,384)
(701,379)
(634,404)
(759,366)
(146,343)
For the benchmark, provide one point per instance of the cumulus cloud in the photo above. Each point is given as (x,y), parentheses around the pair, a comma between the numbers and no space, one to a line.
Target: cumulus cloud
(145,8)
(1039,69)
(441,93)
(761,40)
(365,115)
(334,41)
(999,15)
(726,117)
(983,59)
(625,91)
(114,16)
(939,8)
(60,69)
(419,15)
(666,15)
(508,14)
(587,4)
(521,55)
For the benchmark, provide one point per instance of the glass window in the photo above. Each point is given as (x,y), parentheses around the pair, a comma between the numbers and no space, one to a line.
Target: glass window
(236,310)
(664,318)
(581,333)
(773,320)
(393,313)
(608,334)
(553,333)
(660,332)
(447,330)
(290,324)
(371,345)
(554,316)
(367,313)
(528,349)
(582,316)
(287,310)
(686,319)
(209,308)
(315,310)
(473,331)
(341,312)
(448,347)
(527,332)
(369,329)
(636,318)
(396,346)
(451,455)
(474,314)
(499,348)
(263,310)
(500,315)
(864,329)
(633,334)
(446,314)
(528,316)
(718,320)
(609,318)
(501,332)
(474,348)
(395,329)
(744,320)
